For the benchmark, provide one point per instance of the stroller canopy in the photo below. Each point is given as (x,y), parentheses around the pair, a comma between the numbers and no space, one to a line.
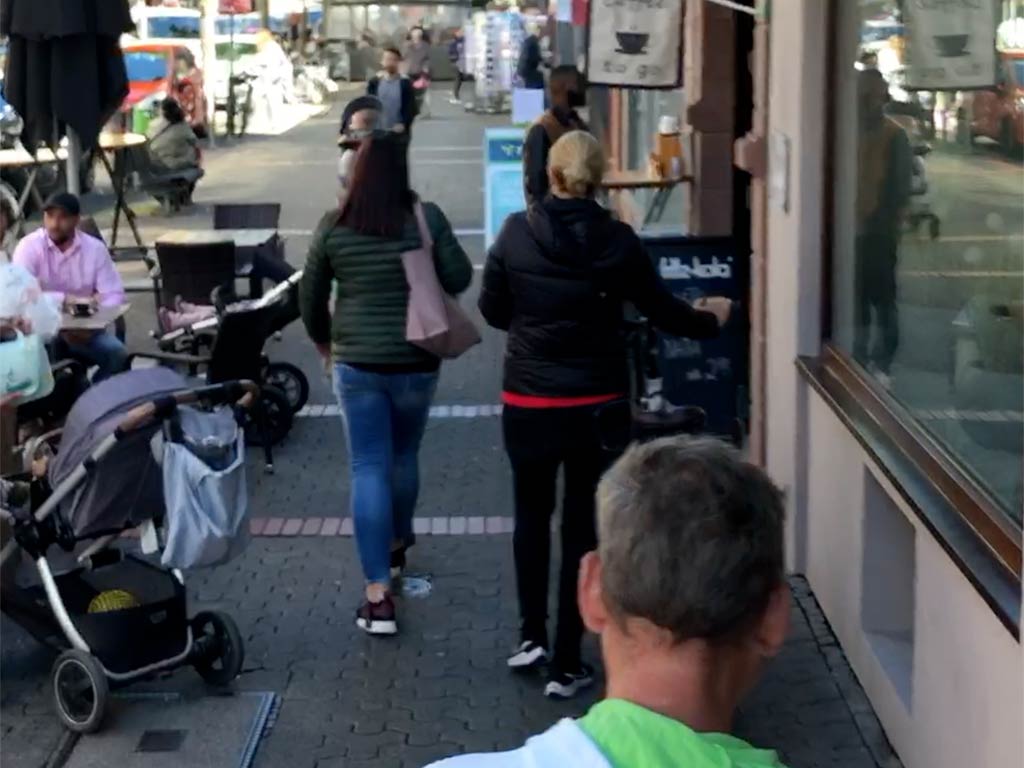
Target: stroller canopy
(125,488)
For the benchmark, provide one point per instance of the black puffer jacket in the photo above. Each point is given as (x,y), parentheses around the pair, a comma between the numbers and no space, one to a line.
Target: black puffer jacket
(556,279)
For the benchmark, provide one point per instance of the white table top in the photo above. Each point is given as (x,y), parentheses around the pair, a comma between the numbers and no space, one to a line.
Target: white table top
(242,238)
(20,157)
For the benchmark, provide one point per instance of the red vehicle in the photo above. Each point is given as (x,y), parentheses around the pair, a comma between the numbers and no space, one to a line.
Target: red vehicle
(159,70)
(998,113)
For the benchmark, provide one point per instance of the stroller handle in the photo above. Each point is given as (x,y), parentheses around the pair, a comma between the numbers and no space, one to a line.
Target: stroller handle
(241,393)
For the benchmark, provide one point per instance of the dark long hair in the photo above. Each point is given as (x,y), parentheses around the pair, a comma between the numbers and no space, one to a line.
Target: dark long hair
(379,199)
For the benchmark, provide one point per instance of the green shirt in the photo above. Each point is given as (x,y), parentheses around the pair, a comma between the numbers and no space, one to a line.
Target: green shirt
(630,736)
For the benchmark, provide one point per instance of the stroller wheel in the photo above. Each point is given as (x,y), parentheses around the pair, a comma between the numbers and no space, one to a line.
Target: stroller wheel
(276,414)
(219,650)
(290,380)
(80,691)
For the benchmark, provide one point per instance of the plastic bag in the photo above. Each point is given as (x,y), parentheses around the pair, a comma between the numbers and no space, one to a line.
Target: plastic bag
(25,368)
(21,297)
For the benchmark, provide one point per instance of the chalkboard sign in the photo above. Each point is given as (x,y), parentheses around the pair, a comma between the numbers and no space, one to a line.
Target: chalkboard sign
(710,374)
(503,178)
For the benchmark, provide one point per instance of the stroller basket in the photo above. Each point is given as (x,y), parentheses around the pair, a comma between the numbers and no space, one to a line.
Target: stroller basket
(131,614)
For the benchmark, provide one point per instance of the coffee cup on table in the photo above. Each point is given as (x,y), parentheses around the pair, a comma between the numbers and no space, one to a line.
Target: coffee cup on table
(82,309)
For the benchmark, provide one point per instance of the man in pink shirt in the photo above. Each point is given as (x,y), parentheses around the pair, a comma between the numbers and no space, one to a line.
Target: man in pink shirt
(75,269)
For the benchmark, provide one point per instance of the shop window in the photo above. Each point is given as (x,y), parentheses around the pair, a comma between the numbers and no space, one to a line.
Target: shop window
(640,115)
(927,249)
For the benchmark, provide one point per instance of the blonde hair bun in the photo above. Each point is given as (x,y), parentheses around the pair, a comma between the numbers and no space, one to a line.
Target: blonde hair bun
(576,164)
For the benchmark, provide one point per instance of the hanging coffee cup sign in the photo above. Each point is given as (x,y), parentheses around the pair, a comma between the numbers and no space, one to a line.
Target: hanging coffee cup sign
(950,44)
(635,43)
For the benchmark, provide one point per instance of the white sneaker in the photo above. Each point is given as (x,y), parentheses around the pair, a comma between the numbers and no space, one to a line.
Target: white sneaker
(565,685)
(529,654)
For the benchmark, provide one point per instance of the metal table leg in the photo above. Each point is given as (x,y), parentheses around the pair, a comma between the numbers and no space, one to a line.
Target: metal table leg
(118,178)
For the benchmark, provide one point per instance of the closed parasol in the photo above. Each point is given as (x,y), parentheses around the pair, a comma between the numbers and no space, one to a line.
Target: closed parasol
(65,70)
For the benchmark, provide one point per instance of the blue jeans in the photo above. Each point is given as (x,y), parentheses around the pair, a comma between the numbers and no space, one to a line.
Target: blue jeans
(102,349)
(385,416)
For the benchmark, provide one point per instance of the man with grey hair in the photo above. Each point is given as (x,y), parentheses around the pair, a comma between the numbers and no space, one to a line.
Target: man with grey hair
(688,594)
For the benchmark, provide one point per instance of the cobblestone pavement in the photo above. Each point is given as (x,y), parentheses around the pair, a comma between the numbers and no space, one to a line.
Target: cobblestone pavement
(441,686)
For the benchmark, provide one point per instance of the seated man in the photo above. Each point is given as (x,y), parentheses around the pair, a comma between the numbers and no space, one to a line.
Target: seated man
(688,594)
(75,268)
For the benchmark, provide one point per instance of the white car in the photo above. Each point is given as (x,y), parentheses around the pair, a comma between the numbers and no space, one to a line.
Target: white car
(178,26)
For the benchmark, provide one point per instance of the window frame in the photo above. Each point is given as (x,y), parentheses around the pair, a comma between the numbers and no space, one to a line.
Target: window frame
(963,516)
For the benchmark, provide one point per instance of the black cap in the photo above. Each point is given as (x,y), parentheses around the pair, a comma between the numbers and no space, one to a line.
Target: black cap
(358,104)
(65,201)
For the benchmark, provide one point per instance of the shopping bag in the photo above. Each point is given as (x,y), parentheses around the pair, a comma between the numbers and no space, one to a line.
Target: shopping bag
(21,298)
(25,367)
(205,493)
(434,321)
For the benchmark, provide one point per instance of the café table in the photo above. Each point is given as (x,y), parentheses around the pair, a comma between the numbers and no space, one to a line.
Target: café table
(631,180)
(248,242)
(21,158)
(97,321)
(120,145)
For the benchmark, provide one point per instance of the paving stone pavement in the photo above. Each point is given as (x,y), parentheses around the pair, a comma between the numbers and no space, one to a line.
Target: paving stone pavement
(440,687)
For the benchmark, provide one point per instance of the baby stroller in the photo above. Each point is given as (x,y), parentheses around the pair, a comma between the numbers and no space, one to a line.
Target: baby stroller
(236,352)
(119,617)
(651,415)
(285,378)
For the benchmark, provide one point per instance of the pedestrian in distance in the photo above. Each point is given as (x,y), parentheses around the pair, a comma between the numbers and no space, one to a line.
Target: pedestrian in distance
(567,92)
(688,594)
(383,383)
(360,118)
(395,91)
(457,56)
(417,67)
(556,279)
(531,59)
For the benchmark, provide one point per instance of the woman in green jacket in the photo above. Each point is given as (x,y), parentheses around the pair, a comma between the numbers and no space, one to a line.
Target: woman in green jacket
(384,384)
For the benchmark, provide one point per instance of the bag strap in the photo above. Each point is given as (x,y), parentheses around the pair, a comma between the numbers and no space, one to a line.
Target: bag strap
(421,224)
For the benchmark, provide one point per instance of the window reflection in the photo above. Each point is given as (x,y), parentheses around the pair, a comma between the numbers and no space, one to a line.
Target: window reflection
(928,246)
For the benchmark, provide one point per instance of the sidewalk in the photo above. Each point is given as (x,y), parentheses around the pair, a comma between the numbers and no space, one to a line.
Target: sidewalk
(440,687)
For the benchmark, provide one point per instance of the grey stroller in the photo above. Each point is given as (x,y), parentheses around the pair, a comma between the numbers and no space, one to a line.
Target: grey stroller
(117,616)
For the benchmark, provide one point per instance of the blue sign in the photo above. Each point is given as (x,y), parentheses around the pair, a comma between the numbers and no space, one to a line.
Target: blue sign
(503,178)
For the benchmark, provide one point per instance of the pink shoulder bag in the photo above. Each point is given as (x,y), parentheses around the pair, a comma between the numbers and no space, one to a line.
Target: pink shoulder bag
(435,322)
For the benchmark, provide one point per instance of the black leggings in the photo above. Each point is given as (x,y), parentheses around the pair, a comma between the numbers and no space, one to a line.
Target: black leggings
(538,442)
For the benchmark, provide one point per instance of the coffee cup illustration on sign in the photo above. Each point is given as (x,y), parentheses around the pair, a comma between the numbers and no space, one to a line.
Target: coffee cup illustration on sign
(632,43)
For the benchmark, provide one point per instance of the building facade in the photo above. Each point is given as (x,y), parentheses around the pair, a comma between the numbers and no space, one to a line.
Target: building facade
(884,216)
(893,370)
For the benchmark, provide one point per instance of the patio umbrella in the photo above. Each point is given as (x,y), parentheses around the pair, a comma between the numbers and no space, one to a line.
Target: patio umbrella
(65,71)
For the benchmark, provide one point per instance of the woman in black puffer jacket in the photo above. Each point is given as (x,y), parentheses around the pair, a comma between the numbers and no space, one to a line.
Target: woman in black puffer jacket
(556,279)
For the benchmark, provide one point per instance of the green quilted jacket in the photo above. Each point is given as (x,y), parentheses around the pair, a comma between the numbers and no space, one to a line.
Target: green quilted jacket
(370,290)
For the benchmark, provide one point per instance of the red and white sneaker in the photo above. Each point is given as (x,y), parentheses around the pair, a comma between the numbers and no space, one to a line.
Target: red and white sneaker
(377,618)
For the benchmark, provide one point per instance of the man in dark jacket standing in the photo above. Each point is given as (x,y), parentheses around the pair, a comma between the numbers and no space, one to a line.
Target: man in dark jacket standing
(530,60)
(395,91)
(567,91)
